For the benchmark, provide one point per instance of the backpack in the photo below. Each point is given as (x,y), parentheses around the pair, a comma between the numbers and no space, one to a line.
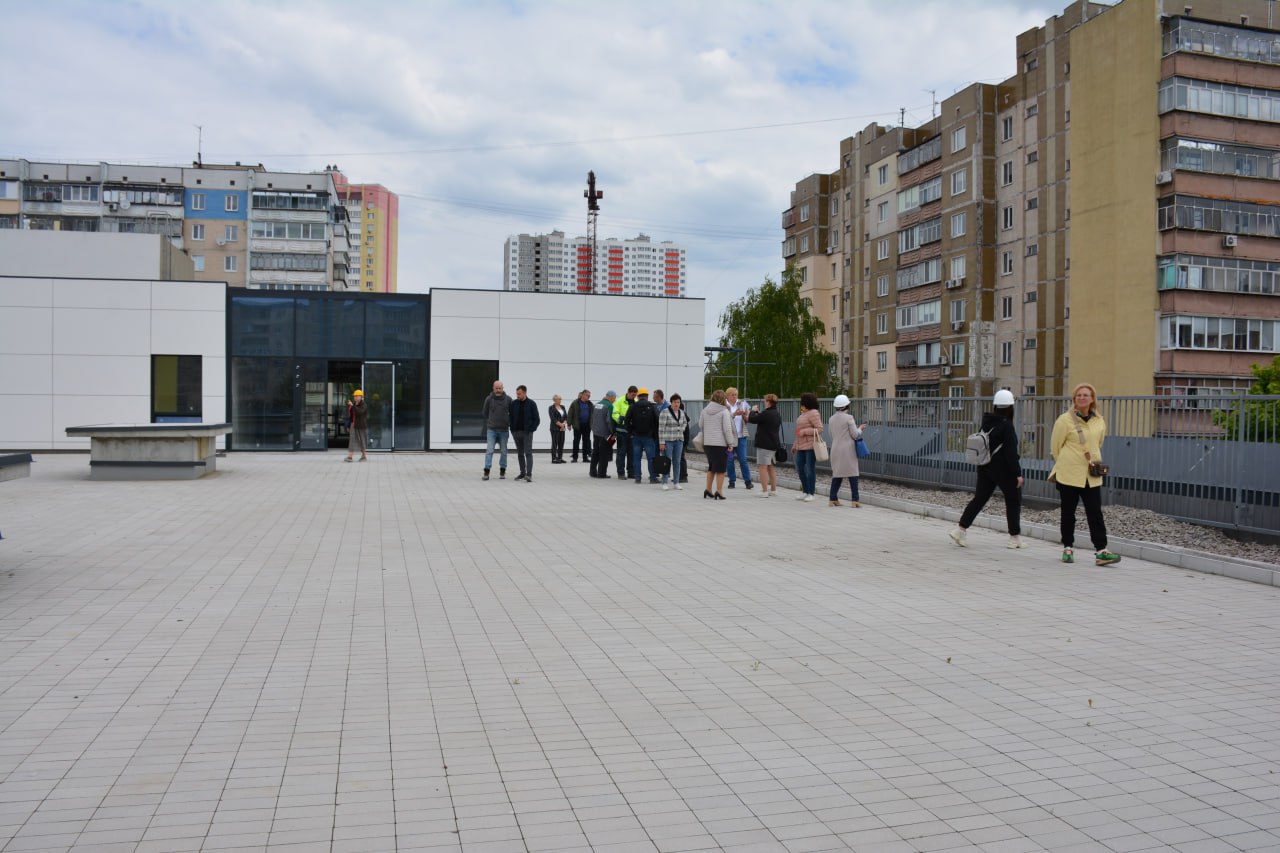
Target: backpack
(643,419)
(977,448)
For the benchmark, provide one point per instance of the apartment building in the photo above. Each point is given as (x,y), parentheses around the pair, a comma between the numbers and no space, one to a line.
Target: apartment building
(244,225)
(811,246)
(554,263)
(964,269)
(374,215)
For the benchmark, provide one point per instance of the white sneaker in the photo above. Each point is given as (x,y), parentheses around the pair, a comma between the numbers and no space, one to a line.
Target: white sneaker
(957,536)
(801,496)
(665,487)
(764,493)
(679,488)
(808,498)
(1015,543)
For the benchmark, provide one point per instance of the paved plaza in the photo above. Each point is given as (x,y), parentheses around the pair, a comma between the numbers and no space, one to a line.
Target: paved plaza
(301,654)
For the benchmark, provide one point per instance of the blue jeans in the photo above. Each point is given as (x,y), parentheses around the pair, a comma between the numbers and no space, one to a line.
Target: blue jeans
(853,488)
(807,471)
(492,438)
(643,444)
(674,452)
(739,453)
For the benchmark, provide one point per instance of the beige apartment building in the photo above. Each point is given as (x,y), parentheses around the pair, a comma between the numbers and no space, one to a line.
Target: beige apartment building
(962,268)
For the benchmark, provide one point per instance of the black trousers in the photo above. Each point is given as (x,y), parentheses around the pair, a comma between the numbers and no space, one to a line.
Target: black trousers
(557,444)
(987,486)
(1092,499)
(524,450)
(582,435)
(600,457)
(684,463)
(624,454)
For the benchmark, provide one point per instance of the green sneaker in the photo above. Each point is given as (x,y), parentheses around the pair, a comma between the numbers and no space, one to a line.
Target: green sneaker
(1068,556)
(1106,558)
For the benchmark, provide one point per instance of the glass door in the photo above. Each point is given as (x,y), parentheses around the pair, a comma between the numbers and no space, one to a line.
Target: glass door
(379,383)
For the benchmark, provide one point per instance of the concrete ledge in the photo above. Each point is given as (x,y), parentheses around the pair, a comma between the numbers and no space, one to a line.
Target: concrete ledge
(14,466)
(151,451)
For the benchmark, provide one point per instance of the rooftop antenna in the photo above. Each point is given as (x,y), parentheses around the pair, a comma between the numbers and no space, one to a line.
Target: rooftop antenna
(933,98)
(593,196)
(902,116)
(199,144)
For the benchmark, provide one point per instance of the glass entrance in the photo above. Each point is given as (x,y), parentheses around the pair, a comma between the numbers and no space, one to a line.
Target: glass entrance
(380,394)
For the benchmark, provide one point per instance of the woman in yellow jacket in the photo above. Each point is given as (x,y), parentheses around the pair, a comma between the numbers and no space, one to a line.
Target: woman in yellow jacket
(1077,441)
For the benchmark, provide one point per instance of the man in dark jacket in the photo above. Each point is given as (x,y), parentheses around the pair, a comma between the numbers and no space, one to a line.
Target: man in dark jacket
(580,420)
(1003,471)
(524,420)
(642,426)
(358,412)
(601,430)
(496,412)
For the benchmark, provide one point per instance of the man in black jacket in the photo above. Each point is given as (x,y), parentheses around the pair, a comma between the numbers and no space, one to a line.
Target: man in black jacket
(580,420)
(524,419)
(642,427)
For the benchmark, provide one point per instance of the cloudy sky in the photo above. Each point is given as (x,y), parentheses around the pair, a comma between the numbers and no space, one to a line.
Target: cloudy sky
(698,116)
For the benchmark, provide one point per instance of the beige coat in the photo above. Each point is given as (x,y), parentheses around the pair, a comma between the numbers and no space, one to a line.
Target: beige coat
(844,456)
(716,425)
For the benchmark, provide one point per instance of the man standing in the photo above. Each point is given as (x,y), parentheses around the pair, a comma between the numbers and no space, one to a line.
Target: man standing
(740,411)
(601,431)
(524,420)
(496,413)
(358,412)
(642,427)
(580,418)
(620,430)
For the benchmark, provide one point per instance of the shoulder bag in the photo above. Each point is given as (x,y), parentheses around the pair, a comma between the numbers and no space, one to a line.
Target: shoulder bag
(820,451)
(1097,468)
(861,448)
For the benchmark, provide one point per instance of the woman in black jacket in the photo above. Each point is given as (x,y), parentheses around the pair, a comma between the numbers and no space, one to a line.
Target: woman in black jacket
(558,419)
(768,441)
(1003,471)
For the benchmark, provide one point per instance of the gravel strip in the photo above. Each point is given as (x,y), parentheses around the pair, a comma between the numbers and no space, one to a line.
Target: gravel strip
(1122,521)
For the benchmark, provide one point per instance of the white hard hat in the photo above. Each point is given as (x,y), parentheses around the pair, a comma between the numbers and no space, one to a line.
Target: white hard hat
(841,401)
(1004,397)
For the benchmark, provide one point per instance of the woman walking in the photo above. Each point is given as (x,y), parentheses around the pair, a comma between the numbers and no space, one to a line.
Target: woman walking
(717,437)
(808,429)
(1003,471)
(844,453)
(1076,445)
(672,422)
(768,443)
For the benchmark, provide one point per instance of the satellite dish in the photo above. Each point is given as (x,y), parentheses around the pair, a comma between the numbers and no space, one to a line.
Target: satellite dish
(125,203)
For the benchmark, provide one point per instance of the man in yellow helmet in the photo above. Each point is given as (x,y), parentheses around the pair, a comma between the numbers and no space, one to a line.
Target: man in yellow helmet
(358,413)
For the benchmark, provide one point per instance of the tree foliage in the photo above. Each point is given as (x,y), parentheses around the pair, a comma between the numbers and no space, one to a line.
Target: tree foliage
(772,324)
(1255,420)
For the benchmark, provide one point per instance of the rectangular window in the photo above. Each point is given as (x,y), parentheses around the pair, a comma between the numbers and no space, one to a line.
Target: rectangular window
(957,139)
(1033,110)
(882,174)
(882,210)
(804,244)
(957,311)
(959,181)
(957,355)
(232,203)
(1006,308)
(1006,173)
(231,233)
(1033,157)
(1029,343)
(1006,352)
(957,266)
(882,286)
(958,224)
(197,261)
(882,249)
(1006,128)
(197,232)
(176,383)
(1006,218)
(229,263)
(1033,203)
(198,201)
(882,324)
(1032,250)
(882,361)
(471,382)
(1006,263)
(955,392)
(804,213)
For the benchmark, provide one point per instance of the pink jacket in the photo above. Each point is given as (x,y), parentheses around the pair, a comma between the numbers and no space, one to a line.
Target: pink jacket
(808,421)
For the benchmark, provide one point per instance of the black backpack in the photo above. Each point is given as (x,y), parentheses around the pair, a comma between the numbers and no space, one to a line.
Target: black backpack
(644,419)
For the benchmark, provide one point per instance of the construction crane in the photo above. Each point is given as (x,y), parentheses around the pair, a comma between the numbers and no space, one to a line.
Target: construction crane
(593,197)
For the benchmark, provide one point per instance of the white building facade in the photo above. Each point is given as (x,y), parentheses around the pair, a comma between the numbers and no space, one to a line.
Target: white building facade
(554,263)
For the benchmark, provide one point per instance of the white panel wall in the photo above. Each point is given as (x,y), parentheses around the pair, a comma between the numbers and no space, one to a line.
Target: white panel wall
(78,351)
(560,343)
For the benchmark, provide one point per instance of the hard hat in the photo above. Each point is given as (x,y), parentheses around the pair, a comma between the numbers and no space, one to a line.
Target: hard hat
(841,401)
(357,393)
(643,392)
(1003,398)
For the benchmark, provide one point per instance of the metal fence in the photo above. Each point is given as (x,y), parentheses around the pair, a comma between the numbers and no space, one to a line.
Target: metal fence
(1176,455)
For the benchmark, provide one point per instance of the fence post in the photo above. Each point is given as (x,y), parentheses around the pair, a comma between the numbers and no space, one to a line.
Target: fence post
(1237,499)
(946,435)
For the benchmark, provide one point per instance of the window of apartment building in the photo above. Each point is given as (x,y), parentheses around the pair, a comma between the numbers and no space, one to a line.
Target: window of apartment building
(835,206)
(232,203)
(882,361)
(882,324)
(229,263)
(1033,156)
(920,314)
(958,266)
(957,139)
(804,213)
(197,232)
(882,286)
(1006,128)
(958,224)
(1033,249)
(833,276)
(197,261)
(1220,333)
(198,201)
(804,243)
(882,249)
(1032,64)
(1006,263)
(1033,110)
(957,311)
(1006,308)
(957,355)
(231,233)
(804,277)
(1029,343)
(959,181)
(1030,296)
(833,302)
(1006,352)
(1033,203)
(1006,173)
(882,175)
(1006,218)
(882,210)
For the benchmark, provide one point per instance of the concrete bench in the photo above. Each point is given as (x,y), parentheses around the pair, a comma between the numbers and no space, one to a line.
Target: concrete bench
(14,466)
(151,451)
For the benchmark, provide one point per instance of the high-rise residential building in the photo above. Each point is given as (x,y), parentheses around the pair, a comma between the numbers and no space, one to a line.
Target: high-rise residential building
(1111,214)
(245,225)
(374,213)
(554,263)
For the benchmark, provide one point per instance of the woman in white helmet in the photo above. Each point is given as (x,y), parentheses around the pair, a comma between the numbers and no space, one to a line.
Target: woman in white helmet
(1003,471)
(844,431)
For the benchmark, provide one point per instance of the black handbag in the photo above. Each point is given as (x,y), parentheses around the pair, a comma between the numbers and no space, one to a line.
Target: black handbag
(662,465)
(780,456)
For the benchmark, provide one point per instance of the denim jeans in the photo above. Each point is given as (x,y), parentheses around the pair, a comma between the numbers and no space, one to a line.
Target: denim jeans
(492,438)
(674,452)
(807,471)
(739,453)
(853,488)
(643,444)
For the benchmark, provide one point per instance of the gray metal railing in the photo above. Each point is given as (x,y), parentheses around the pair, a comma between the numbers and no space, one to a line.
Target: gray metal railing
(1211,460)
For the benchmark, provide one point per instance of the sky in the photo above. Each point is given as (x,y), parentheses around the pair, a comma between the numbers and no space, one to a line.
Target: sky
(697,116)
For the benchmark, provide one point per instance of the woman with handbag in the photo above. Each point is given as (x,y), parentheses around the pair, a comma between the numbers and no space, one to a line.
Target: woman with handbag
(768,443)
(1004,470)
(808,435)
(673,421)
(717,434)
(1076,446)
(845,433)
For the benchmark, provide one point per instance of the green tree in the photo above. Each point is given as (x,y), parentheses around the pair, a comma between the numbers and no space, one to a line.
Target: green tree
(1255,420)
(772,324)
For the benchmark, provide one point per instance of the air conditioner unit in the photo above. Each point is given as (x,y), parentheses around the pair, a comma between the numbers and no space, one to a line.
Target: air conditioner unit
(957,325)
(1165,177)
(1229,241)
(946,370)
(222,241)
(112,206)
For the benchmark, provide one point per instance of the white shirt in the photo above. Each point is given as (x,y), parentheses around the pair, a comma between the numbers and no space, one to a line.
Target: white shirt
(739,410)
